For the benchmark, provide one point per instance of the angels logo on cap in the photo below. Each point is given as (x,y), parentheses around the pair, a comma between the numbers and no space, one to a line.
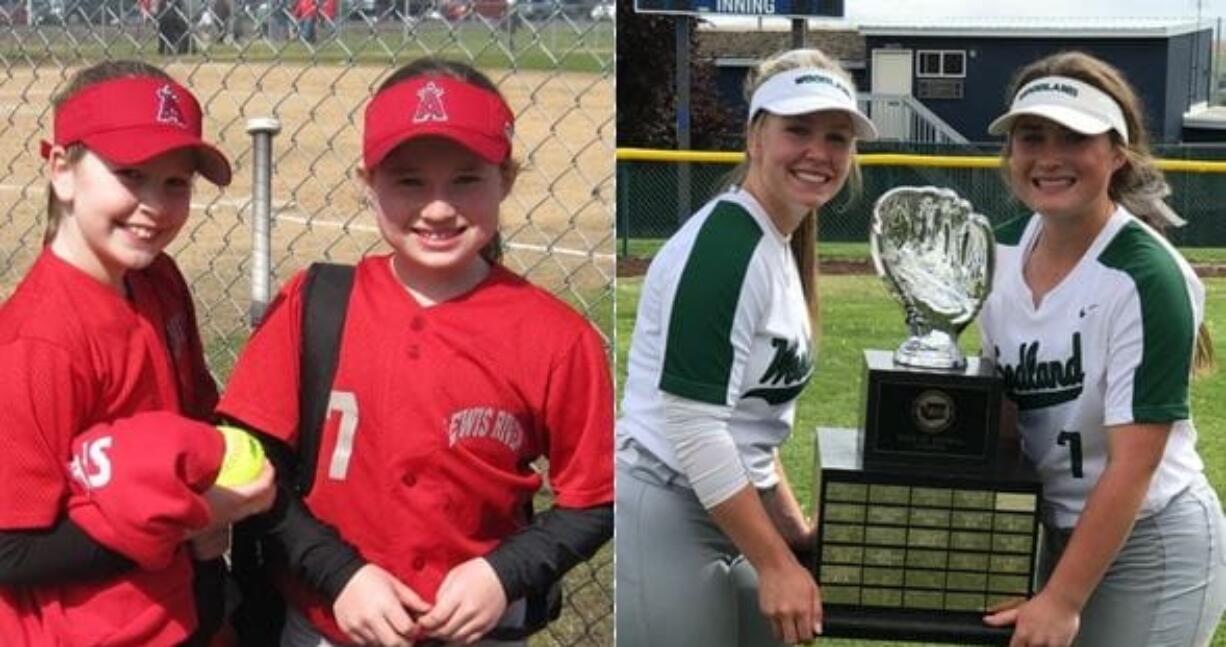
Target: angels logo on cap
(475,117)
(169,111)
(132,119)
(430,104)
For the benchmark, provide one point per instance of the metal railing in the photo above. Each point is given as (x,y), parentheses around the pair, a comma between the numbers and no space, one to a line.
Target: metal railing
(903,117)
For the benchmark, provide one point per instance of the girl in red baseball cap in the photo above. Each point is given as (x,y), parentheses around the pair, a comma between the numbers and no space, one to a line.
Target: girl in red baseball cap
(110,531)
(453,376)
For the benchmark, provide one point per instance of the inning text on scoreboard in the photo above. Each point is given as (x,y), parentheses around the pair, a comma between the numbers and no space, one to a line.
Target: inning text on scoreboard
(782,8)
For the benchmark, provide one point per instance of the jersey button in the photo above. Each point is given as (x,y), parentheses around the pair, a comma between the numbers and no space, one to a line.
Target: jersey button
(414,352)
(419,563)
(417,323)
(409,480)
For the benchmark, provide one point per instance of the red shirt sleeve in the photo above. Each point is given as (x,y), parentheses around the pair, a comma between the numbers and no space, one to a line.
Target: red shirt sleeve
(263,389)
(579,420)
(136,483)
(43,399)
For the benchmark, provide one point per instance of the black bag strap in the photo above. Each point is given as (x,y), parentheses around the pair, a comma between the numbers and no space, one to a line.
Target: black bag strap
(325,300)
(260,617)
(541,610)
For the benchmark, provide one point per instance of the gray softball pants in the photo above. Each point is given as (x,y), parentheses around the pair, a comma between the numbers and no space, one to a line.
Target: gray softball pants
(680,582)
(1167,586)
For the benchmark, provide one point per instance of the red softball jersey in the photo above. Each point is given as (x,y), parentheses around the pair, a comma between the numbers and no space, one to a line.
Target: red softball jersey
(74,356)
(435,416)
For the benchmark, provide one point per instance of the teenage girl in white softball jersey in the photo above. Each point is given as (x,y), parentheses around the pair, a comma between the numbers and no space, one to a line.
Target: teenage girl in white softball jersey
(1093,323)
(707,523)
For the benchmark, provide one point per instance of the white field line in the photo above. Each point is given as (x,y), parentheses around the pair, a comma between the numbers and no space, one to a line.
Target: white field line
(241,204)
(238,204)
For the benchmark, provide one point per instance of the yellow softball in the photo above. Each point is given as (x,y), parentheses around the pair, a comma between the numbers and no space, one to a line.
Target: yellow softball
(244,459)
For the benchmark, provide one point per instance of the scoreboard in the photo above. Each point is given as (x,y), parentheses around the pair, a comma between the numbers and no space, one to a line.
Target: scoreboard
(781,8)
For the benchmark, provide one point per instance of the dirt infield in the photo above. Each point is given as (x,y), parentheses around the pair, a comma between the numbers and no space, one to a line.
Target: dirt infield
(557,222)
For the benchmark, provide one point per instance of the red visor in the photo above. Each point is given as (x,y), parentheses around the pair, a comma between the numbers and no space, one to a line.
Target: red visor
(133,119)
(442,106)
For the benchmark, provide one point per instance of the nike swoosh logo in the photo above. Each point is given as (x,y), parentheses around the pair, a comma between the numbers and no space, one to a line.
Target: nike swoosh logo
(1044,399)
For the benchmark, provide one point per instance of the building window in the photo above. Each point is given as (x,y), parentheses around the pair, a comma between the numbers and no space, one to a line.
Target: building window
(938,89)
(940,63)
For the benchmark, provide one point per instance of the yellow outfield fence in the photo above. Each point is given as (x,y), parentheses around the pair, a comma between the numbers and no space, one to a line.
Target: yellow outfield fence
(887,159)
(658,189)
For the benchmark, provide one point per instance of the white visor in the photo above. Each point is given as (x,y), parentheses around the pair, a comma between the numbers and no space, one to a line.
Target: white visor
(1074,104)
(799,92)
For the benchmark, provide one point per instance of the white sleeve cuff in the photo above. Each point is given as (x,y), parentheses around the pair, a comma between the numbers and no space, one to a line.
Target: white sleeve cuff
(760,466)
(705,450)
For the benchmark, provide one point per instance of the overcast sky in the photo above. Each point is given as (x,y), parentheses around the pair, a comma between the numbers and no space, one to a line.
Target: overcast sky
(900,9)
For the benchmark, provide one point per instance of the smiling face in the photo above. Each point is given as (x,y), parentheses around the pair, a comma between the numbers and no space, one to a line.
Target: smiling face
(798,163)
(119,217)
(1061,173)
(437,205)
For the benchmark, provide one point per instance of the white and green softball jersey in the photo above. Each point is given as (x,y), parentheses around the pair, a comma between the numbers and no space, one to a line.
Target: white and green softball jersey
(722,320)
(1111,344)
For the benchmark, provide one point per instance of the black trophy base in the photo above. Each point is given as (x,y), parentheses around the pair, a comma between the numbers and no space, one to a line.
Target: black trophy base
(929,418)
(964,628)
(920,555)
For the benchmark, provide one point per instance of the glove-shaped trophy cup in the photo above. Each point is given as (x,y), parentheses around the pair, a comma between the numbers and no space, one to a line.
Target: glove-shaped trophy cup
(927,517)
(936,256)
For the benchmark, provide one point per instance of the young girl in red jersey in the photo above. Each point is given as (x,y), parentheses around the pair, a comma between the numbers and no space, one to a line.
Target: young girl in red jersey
(107,472)
(454,375)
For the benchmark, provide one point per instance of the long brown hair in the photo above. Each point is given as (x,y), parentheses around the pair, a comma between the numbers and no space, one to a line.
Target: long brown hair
(84,78)
(804,239)
(492,251)
(1138,185)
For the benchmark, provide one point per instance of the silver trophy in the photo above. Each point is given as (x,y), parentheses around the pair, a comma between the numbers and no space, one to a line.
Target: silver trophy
(936,255)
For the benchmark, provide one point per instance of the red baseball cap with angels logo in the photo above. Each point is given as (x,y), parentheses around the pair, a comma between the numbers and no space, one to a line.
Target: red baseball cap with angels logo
(133,119)
(442,106)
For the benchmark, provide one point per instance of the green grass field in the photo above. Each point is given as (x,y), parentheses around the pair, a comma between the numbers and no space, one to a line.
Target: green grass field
(581,46)
(857,313)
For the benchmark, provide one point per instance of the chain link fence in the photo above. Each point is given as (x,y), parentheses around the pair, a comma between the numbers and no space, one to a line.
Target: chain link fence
(650,204)
(313,64)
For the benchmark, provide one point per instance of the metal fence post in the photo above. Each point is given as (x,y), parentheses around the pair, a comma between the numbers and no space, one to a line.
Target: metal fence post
(623,207)
(262,130)
(682,78)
